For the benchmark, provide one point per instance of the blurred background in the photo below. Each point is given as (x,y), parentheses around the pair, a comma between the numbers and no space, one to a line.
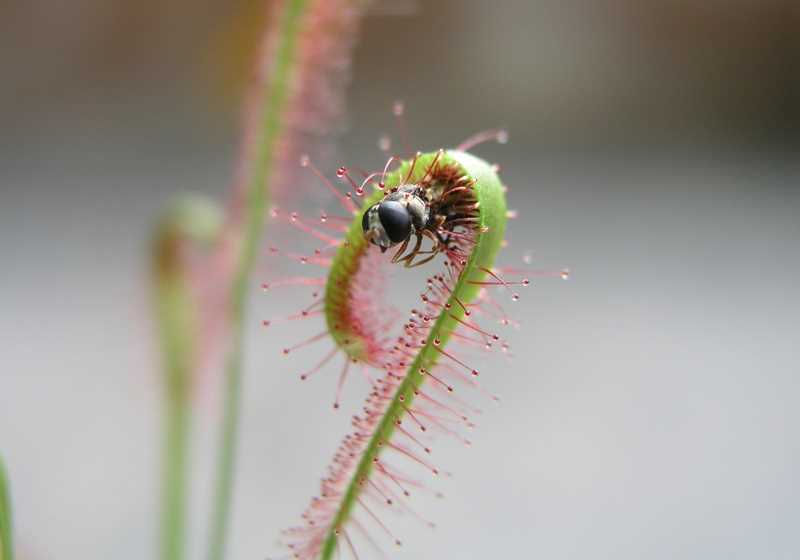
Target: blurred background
(652,407)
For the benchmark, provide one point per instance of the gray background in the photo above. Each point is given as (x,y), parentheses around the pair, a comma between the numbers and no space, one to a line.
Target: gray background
(651,409)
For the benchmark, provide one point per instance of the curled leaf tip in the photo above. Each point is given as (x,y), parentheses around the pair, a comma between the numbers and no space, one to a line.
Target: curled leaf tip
(444,211)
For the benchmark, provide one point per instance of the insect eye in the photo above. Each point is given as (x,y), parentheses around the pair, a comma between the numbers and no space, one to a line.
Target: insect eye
(395,220)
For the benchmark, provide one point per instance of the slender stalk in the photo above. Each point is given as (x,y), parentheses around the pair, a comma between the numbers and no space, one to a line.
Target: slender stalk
(6,542)
(174,313)
(273,101)
(189,219)
(176,481)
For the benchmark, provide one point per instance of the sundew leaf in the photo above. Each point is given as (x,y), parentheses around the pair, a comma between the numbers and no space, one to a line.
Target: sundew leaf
(455,295)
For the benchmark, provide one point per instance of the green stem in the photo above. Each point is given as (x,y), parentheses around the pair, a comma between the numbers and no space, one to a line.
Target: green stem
(6,542)
(190,219)
(176,449)
(273,100)
(175,316)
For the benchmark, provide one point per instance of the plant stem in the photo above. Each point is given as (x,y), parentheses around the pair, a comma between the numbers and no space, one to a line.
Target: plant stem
(273,100)
(176,448)
(6,541)
(190,218)
(173,546)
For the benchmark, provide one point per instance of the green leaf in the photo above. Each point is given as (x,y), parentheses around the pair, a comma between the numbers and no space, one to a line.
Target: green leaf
(492,212)
(272,103)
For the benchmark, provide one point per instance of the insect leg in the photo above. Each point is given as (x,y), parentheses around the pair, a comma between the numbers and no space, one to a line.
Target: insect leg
(410,257)
(425,260)
(434,250)
(439,242)
(396,257)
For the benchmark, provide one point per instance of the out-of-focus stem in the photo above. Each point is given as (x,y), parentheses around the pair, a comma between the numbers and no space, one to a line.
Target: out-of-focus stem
(272,103)
(6,541)
(190,219)
(174,312)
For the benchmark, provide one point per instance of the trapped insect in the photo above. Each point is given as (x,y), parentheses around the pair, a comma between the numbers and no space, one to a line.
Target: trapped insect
(429,208)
